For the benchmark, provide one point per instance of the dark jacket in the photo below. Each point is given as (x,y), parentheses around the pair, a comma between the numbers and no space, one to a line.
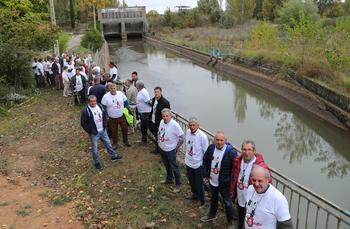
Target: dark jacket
(73,81)
(134,81)
(54,68)
(162,103)
(225,167)
(87,120)
(237,167)
(99,91)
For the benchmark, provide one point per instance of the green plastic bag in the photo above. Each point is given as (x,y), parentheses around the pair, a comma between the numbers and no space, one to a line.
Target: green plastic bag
(128,115)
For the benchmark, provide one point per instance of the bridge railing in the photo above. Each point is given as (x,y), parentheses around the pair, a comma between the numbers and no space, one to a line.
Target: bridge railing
(308,209)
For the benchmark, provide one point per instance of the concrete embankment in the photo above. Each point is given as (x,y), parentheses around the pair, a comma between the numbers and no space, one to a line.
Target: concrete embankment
(300,96)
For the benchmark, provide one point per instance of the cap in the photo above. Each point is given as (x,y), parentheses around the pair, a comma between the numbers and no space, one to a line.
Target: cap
(35,58)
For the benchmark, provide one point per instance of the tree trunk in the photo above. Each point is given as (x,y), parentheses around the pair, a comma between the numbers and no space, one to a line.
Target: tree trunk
(72,14)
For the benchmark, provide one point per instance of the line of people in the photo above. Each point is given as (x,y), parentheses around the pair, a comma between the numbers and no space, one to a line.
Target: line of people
(241,179)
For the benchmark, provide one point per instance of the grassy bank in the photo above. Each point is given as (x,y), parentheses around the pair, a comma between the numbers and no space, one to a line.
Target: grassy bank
(126,194)
(266,45)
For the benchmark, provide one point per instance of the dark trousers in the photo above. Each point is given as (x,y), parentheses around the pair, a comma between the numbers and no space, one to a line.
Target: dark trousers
(155,132)
(145,124)
(225,194)
(36,80)
(113,125)
(196,181)
(241,216)
(47,78)
(81,95)
(41,81)
(52,79)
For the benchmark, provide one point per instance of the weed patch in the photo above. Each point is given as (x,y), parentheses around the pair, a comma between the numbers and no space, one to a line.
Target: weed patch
(4,204)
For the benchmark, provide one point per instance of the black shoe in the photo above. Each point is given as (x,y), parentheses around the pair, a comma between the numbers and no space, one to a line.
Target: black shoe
(154,151)
(115,145)
(117,158)
(127,143)
(98,166)
(143,143)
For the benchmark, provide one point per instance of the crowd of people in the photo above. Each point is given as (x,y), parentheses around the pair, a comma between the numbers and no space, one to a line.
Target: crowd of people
(241,179)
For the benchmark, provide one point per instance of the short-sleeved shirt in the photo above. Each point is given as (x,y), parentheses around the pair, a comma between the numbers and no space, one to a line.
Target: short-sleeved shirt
(168,135)
(114,104)
(97,113)
(270,207)
(215,166)
(142,101)
(196,145)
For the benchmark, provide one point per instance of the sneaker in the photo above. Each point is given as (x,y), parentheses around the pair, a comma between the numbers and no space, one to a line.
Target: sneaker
(64,96)
(177,188)
(230,225)
(167,182)
(115,145)
(198,204)
(208,218)
(127,143)
(117,158)
(98,166)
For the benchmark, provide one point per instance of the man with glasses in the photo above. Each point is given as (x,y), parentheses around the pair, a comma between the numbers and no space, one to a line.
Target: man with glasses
(240,179)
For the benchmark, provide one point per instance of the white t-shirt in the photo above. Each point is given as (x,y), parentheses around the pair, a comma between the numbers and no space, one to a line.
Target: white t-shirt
(154,110)
(59,67)
(41,67)
(35,69)
(45,66)
(168,135)
(142,101)
(96,111)
(70,67)
(270,207)
(242,186)
(50,68)
(112,72)
(215,165)
(196,145)
(65,77)
(114,104)
(78,83)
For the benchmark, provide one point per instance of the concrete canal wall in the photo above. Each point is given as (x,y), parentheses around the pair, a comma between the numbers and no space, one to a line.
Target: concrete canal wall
(320,101)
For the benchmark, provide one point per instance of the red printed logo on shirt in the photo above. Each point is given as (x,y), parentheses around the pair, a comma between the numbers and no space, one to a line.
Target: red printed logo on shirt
(241,186)
(162,134)
(190,151)
(250,222)
(216,169)
(99,120)
(118,105)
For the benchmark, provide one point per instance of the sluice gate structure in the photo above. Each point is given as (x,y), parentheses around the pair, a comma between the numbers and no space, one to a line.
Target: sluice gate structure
(123,21)
(308,209)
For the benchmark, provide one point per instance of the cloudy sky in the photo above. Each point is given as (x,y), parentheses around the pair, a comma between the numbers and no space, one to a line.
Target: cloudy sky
(160,5)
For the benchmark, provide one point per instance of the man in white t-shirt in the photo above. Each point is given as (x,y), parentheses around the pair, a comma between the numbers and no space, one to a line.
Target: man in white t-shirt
(170,138)
(217,168)
(240,179)
(94,122)
(143,104)
(113,102)
(196,145)
(266,207)
(41,73)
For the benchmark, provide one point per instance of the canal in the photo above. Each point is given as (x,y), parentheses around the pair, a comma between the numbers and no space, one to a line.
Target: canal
(291,140)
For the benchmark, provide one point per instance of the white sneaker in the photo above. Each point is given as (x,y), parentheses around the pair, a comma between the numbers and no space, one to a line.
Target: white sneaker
(65,96)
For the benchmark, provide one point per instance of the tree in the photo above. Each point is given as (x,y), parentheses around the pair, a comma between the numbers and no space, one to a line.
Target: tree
(28,8)
(258,9)
(270,9)
(92,39)
(72,14)
(346,6)
(152,14)
(124,4)
(242,9)
(292,9)
(87,6)
(336,9)
(210,7)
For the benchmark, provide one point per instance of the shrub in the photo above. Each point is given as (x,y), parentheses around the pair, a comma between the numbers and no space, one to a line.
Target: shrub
(91,25)
(63,41)
(292,8)
(92,39)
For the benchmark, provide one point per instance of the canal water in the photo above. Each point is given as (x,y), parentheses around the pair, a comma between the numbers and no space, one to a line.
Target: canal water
(291,140)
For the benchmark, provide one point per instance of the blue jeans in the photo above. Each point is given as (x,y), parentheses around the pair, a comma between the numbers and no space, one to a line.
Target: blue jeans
(241,216)
(170,163)
(196,181)
(105,140)
(225,194)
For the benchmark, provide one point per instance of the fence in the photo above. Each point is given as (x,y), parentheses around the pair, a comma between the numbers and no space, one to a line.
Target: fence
(307,203)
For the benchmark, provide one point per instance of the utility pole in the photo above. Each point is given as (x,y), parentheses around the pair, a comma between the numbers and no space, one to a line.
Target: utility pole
(53,22)
(94,18)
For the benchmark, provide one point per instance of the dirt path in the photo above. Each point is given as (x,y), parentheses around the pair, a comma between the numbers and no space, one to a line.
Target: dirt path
(74,42)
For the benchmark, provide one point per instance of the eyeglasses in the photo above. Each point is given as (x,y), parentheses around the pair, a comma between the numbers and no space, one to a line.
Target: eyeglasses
(249,150)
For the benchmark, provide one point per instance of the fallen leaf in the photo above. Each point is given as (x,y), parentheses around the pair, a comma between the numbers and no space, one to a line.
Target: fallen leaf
(45,224)
(38,211)
(193,215)
(199,225)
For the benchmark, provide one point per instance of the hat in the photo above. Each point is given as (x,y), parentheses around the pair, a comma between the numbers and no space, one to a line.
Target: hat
(35,58)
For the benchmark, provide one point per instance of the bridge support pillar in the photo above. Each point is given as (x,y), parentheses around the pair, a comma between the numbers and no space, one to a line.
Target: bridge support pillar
(124,35)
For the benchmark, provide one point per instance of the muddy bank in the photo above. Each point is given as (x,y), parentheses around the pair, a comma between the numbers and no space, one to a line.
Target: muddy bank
(298,95)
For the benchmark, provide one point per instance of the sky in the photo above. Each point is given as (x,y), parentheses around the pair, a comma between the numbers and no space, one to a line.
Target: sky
(160,5)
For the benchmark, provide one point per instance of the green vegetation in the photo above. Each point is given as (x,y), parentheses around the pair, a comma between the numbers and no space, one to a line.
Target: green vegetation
(22,213)
(63,41)
(91,25)
(92,39)
(28,206)
(4,204)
